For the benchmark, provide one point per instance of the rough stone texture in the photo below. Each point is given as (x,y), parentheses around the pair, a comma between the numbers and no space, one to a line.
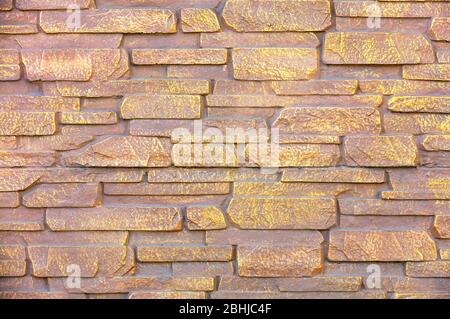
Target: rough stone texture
(94,118)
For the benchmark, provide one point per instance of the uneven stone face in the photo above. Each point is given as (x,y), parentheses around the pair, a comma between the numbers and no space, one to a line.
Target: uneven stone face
(431,72)
(27,123)
(313,87)
(436,142)
(63,195)
(328,120)
(179,56)
(183,253)
(431,104)
(269,15)
(205,218)
(333,175)
(279,260)
(199,20)
(17,179)
(51,5)
(340,283)
(112,21)
(123,152)
(83,118)
(376,48)
(417,123)
(381,246)
(438,268)
(441,226)
(12,261)
(282,213)
(274,63)
(380,151)
(439,29)
(115,218)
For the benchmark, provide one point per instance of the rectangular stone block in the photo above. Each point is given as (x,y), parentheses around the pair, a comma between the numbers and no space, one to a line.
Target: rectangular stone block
(439,29)
(425,104)
(274,63)
(167,189)
(435,269)
(27,123)
(376,48)
(38,103)
(112,21)
(380,151)
(315,87)
(51,4)
(115,218)
(88,118)
(429,72)
(283,213)
(333,175)
(441,226)
(179,56)
(436,142)
(417,123)
(353,245)
(183,253)
(279,260)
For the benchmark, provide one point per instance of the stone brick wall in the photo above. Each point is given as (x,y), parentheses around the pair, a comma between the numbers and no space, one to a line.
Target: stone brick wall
(91,183)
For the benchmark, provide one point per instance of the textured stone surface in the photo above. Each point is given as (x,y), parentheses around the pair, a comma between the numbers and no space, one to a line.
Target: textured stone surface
(381,246)
(376,48)
(282,213)
(264,15)
(379,151)
(274,64)
(111,155)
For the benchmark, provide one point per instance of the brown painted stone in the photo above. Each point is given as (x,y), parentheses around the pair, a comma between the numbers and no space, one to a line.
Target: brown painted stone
(27,123)
(9,72)
(55,142)
(436,142)
(333,175)
(183,253)
(168,295)
(17,179)
(167,189)
(268,16)
(306,155)
(282,213)
(389,87)
(279,260)
(8,142)
(63,195)
(51,4)
(438,268)
(441,227)
(205,218)
(127,87)
(430,72)
(84,118)
(427,104)
(24,159)
(381,246)
(53,261)
(439,29)
(12,261)
(123,152)
(199,20)
(380,151)
(162,107)
(376,48)
(214,268)
(179,56)
(9,199)
(274,63)
(417,123)
(340,283)
(115,218)
(112,21)
(398,207)
(38,103)
(421,295)
(328,120)
(313,87)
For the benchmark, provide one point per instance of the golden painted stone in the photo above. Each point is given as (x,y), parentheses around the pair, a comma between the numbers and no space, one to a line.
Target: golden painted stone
(322,283)
(315,87)
(328,120)
(179,56)
(205,218)
(115,218)
(12,261)
(8,142)
(353,245)
(63,195)
(27,123)
(441,227)
(421,295)
(130,151)
(279,260)
(389,87)
(26,158)
(17,179)
(426,104)
(430,72)
(333,175)
(439,29)
(435,269)
(55,142)
(288,138)
(274,63)
(283,213)
(199,20)
(112,21)
(358,206)
(84,118)
(158,253)
(9,72)
(51,4)
(128,87)
(436,142)
(54,261)
(168,295)
(167,189)
(380,151)
(297,155)
(376,48)
(417,123)
(229,39)
(275,15)
(361,8)
(161,107)
(38,103)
